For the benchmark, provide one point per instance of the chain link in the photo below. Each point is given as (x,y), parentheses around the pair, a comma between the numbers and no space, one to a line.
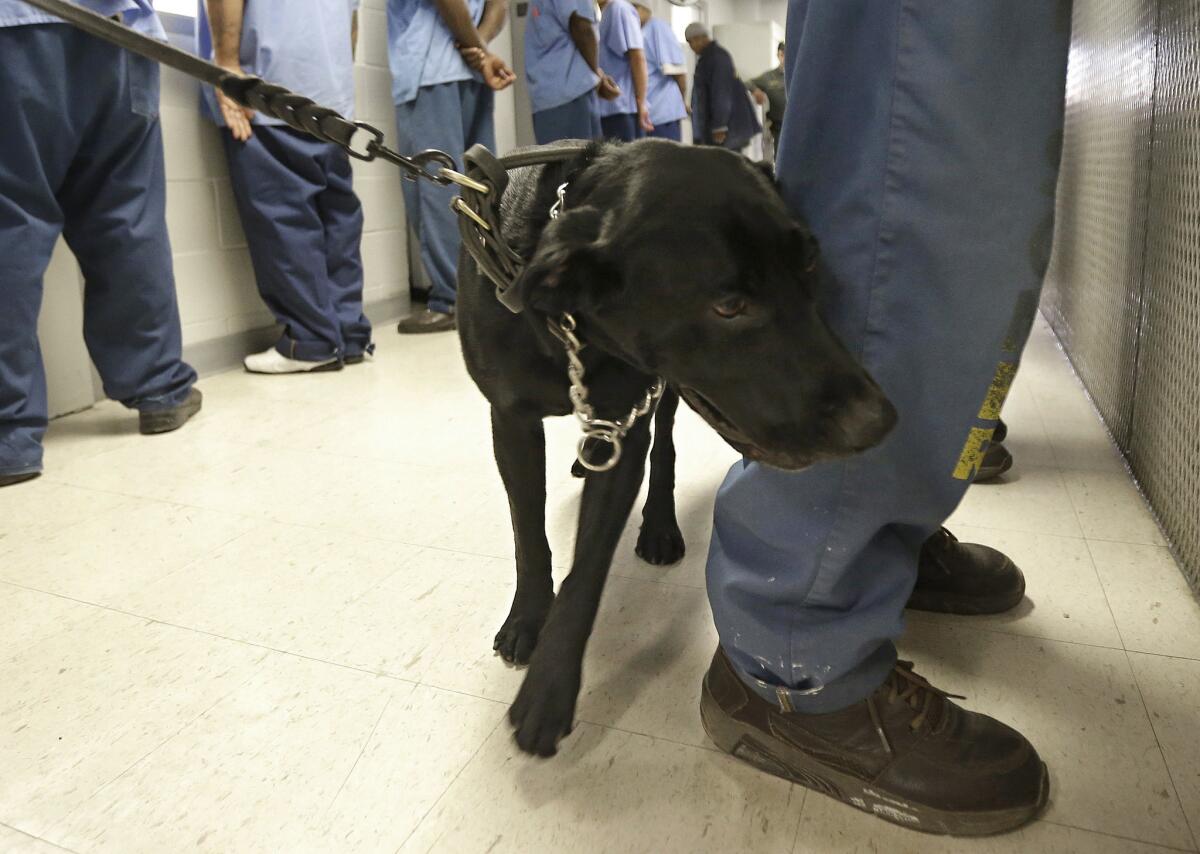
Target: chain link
(598,429)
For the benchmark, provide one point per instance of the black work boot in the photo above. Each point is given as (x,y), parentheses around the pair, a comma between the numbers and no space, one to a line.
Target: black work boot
(906,754)
(964,578)
(14,479)
(155,421)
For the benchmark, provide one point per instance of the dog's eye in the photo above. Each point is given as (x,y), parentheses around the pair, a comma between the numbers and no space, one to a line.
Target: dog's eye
(731,307)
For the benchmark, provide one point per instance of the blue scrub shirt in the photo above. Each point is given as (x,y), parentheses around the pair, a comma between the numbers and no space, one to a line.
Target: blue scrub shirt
(555,68)
(663,97)
(620,31)
(303,45)
(138,14)
(421,49)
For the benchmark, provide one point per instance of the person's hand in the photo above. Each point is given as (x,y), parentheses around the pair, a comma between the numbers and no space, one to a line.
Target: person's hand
(719,136)
(760,97)
(237,118)
(644,118)
(473,56)
(496,73)
(608,89)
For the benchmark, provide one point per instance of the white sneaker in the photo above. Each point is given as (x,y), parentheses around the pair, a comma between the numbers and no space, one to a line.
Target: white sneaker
(273,362)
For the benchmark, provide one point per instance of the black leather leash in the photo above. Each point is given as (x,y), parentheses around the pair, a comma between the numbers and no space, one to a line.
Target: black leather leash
(481,188)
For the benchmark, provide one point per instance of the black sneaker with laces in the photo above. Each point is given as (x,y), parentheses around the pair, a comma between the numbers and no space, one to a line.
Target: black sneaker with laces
(906,754)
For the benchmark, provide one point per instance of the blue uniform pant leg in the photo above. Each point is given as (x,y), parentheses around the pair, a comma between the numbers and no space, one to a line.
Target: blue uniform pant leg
(434,119)
(668,130)
(921,144)
(572,120)
(342,213)
(277,177)
(621,127)
(113,200)
(34,156)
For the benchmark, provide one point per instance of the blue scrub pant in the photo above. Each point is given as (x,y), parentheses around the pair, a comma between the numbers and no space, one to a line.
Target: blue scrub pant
(81,155)
(303,225)
(668,130)
(451,117)
(576,119)
(622,127)
(921,143)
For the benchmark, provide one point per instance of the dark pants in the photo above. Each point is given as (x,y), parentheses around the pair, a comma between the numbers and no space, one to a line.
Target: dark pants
(921,143)
(623,127)
(576,119)
(81,155)
(303,224)
(451,117)
(668,130)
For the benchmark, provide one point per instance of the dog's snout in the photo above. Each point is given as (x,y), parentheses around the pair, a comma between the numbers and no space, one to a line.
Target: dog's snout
(865,416)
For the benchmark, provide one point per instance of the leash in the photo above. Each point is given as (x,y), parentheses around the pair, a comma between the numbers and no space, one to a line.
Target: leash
(478,202)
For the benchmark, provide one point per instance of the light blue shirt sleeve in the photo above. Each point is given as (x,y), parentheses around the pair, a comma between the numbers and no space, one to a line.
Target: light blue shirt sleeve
(421,49)
(556,70)
(303,45)
(137,14)
(663,98)
(620,32)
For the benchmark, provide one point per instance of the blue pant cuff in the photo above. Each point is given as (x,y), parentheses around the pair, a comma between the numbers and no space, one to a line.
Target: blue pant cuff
(307,351)
(834,696)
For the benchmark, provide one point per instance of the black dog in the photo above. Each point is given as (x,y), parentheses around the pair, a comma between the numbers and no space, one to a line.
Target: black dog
(679,263)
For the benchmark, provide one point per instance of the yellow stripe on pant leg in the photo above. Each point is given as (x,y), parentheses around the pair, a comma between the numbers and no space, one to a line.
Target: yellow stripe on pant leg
(972,454)
(998,391)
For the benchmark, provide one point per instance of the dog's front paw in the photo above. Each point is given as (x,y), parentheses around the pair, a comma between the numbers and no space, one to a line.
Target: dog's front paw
(660,544)
(518,636)
(544,711)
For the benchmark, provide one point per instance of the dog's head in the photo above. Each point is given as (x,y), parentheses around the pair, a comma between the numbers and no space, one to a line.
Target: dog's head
(686,263)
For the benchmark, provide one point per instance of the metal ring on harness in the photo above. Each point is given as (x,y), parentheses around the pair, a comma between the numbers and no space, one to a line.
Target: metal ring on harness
(601,435)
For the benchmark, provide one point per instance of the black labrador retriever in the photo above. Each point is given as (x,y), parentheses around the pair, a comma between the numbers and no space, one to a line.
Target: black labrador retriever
(675,262)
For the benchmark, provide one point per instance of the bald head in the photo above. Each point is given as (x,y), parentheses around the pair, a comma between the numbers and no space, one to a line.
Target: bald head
(697,36)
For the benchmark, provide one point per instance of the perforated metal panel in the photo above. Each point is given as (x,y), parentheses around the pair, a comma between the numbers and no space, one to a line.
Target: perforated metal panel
(1165,440)
(1092,295)
(1123,288)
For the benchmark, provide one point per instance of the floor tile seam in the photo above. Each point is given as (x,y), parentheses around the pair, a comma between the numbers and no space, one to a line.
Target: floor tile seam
(1166,764)
(26,833)
(358,758)
(450,784)
(1110,835)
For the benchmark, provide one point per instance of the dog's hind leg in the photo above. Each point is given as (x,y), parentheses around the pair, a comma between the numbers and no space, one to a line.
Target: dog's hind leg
(545,706)
(520,446)
(660,540)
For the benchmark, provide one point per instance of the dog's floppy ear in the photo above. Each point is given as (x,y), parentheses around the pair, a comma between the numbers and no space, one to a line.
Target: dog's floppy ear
(571,267)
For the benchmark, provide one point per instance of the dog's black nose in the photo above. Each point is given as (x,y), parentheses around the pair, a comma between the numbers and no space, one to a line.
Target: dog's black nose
(866,419)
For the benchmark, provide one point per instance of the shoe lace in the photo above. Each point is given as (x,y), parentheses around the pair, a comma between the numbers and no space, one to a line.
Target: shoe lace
(905,686)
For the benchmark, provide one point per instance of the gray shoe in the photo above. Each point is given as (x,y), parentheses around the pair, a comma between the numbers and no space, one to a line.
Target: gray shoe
(996,461)
(426,321)
(166,420)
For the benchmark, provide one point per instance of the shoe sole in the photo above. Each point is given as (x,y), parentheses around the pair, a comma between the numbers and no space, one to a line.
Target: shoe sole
(427,330)
(745,743)
(14,479)
(328,366)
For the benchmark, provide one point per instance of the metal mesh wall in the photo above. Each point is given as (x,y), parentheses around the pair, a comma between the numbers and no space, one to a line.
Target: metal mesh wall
(1093,284)
(1165,442)
(1123,289)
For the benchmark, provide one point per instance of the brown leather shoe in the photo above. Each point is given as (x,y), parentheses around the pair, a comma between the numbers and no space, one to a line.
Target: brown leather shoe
(964,578)
(426,321)
(906,754)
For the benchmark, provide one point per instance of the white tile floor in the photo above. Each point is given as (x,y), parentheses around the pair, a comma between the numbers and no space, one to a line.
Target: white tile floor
(271,631)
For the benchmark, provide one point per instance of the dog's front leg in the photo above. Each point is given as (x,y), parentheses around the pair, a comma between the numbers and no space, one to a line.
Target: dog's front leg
(520,446)
(660,540)
(545,706)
